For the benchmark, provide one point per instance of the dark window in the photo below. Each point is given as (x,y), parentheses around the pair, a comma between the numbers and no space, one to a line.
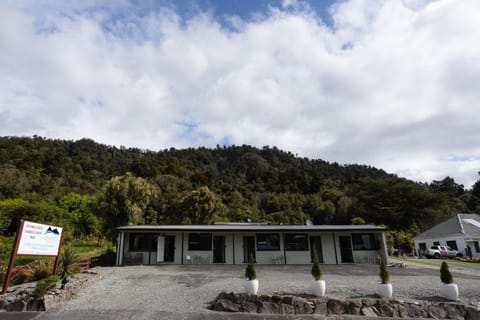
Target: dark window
(436,243)
(363,241)
(143,242)
(477,246)
(422,246)
(452,244)
(199,241)
(268,241)
(296,242)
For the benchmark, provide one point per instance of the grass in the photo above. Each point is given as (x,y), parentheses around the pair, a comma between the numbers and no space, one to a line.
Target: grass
(437,263)
(90,248)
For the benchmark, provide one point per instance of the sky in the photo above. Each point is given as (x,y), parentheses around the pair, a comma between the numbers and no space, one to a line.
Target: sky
(392,84)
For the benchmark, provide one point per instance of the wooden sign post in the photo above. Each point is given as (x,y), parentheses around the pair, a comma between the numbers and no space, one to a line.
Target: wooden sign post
(35,239)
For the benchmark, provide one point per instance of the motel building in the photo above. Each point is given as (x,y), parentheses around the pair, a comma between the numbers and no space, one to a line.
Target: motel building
(234,243)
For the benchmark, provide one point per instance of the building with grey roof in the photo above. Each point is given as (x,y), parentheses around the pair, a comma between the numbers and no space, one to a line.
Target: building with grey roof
(234,243)
(460,232)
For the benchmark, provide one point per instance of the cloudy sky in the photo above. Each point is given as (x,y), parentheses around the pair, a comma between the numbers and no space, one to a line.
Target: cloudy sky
(393,84)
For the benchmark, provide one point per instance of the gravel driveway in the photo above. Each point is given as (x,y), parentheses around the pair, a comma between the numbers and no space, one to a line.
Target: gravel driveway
(174,291)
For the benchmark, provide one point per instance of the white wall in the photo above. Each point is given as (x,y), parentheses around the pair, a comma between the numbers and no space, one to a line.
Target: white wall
(461,245)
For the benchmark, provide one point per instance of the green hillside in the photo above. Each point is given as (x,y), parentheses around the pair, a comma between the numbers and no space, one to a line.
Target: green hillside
(91,188)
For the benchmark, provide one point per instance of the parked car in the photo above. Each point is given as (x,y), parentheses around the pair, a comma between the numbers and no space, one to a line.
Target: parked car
(438,252)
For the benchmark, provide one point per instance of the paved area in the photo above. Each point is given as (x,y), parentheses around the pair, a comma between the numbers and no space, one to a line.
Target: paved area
(183,292)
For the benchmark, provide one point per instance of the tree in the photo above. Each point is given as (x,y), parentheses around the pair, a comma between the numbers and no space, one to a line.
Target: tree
(200,206)
(82,210)
(127,201)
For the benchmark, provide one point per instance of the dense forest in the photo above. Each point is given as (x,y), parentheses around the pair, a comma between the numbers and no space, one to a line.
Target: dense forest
(91,188)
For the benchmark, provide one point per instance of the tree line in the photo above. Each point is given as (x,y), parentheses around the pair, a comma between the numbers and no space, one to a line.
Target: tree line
(91,188)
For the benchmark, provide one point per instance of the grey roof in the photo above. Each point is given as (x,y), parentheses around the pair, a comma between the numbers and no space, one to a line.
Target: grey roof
(251,227)
(464,224)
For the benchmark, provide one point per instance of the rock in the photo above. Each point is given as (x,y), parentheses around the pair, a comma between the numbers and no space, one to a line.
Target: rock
(248,307)
(472,313)
(402,311)
(369,311)
(287,300)
(353,306)
(335,306)
(455,311)
(302,306)
(387,310)
(369,302)
(437,311)
(268,307)
(19,305)
(320,306)
(226,306)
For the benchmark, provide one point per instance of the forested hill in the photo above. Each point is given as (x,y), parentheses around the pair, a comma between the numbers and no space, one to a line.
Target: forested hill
(93,187)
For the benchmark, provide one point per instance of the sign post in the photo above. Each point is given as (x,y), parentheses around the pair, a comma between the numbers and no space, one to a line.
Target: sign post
(34,239)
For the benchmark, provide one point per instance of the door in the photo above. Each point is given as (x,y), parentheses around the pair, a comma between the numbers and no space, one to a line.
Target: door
(169,255)
(248,248)
(346,249)
(218,249)
(160,249)
(316,244)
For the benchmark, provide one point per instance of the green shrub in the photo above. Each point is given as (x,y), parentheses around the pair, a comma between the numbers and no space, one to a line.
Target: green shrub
(384,276)
(67,266)
(45,285)
(445,274)
(250,272)
(316,271)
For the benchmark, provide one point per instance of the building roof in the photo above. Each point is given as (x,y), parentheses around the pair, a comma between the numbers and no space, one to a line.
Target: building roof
(247,227)
(464,224)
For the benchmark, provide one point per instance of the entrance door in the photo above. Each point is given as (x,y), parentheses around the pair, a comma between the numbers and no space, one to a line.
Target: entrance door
(169,255)
(218,249)
(316,244)
(248,248)
(346,249)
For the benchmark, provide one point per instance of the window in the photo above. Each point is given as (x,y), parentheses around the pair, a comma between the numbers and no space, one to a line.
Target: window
(452,244)
(477,246)
(436,243)
(199,241)
(296,242)
(142,242)
(422,246)
(268,242)
(364,241)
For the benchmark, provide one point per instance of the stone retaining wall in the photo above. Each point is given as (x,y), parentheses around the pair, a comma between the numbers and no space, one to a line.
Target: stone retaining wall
(289,304)
(20,298)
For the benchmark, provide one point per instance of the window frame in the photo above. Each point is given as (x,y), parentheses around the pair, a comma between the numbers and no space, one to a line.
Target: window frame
(149,243)
(290,235)
(258,240)
(454,246)
(198,246)
(355,244)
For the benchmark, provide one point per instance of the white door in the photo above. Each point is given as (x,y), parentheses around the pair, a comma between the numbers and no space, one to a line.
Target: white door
(160,248)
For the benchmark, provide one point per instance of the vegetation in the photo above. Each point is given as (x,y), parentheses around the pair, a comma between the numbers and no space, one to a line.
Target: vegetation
(250,272)
(384,276)
(67,265)
(45,285)
(445,274)
(90,189)
(316,271)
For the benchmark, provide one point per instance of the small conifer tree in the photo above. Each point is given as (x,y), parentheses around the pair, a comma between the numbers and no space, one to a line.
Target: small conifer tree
(384,276)
(445,274)
(250,272)
(316,271)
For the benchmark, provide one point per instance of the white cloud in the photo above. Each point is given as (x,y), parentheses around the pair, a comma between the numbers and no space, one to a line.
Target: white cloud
(392,84)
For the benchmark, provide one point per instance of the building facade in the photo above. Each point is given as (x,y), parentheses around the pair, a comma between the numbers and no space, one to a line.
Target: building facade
(460,232)
(234,243)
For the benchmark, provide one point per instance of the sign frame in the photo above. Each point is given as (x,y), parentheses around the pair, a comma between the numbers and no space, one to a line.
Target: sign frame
(18,239)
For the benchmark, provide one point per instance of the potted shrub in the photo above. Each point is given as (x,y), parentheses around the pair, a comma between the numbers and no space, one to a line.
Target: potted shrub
(317,285)
(448,290)
(251,285)
(384,288)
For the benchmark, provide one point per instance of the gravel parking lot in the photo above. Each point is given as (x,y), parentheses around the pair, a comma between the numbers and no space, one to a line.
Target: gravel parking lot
(174,291)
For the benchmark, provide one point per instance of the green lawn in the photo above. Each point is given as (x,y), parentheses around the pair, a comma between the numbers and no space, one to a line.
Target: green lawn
(435,262)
